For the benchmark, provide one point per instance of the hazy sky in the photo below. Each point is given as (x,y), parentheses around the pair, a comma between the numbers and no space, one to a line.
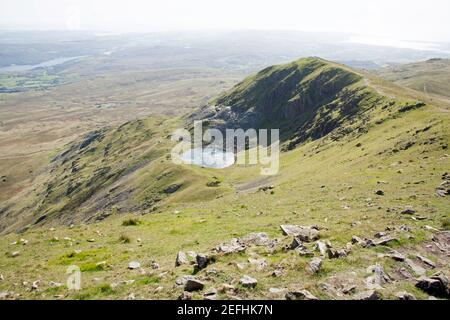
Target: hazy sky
(397,19)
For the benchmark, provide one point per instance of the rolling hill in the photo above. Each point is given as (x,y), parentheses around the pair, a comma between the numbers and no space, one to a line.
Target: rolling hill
(431,76)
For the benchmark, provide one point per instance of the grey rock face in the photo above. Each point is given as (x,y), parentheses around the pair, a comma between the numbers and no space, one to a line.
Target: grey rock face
(134,265)
(248,282)
(368,295)
(300,295)
(202,261)
(306,234)
(314,265)
(193,284)
(436,285)
(181,259)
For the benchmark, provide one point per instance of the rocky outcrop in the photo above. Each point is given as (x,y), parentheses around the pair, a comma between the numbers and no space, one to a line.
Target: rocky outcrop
(436,285)
(306,234)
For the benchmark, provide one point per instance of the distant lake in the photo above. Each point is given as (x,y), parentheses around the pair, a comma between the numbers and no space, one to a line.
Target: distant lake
(208,158)
(45,64)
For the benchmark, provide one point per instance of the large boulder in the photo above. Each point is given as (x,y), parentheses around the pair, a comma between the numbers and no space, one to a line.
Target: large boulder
(436,285)
(236,245)
(306,234)
(257,239)
(202,261)
(232,246)
(415,267)
(193,284)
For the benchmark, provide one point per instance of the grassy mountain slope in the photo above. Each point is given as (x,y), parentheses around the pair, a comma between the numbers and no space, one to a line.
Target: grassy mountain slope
(332,178)
(431,76)
(306,99)
(120,169)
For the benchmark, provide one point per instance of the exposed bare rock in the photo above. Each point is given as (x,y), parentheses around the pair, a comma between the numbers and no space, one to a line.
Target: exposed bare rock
(357,240)
(134,265)
(415,267)
(314,265)
(5,295)
(236,245)
(240,266)
(442,241)
(211,294)
(368,295)
(363,243)
(193,284)
(306,234)
(266,188)
(430,228)
(185,296)
(404,273)
(300,295)
(335,253)
(427,261)
(304,251)
(212,272)
(257,239)
(378,277)
(181,259)
(35,285)
(321,247)
(408,210)
(260,264)
(296,242)
(202,261)
(277,273)
(14,254)
(348,288)
(436,285)
(397,256)
(181,281)
(384,240)
(379,235)
(227,288)
(248,282)
(444,188)
(403,295)
(277,292)
(232,246)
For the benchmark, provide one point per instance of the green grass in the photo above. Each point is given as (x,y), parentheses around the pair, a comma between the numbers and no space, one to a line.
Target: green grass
(33,81)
